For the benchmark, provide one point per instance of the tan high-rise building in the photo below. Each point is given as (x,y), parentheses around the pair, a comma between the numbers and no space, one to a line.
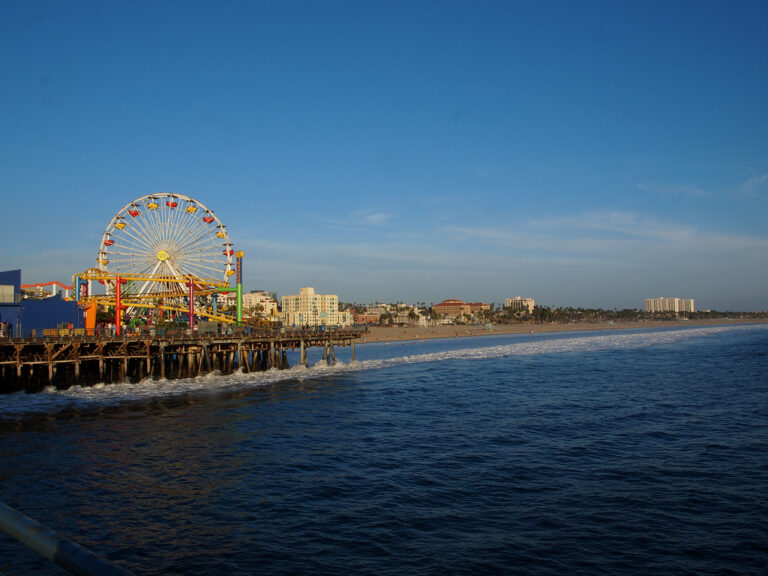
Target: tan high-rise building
(309,309)
(519,303)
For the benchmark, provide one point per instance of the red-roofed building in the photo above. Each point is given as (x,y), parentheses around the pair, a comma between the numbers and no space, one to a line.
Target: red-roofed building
(453,308)
(367,318)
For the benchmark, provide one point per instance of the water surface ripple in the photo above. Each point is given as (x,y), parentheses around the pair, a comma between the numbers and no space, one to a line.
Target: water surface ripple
(586,453)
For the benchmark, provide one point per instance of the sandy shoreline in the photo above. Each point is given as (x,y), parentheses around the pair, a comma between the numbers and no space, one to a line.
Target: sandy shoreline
(395,334)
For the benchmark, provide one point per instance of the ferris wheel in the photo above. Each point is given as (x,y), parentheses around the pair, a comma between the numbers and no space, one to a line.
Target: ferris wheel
(164,241)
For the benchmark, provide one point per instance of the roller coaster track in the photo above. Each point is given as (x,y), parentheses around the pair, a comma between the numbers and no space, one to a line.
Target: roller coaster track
(110,302)
(202,287)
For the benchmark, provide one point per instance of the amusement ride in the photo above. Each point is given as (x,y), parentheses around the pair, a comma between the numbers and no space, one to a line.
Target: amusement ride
(162,253)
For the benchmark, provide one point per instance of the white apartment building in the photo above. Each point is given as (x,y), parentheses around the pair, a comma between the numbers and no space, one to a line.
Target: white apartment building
(309,309)
(675,305)
(260,303)
(519,303)
(407,314)
(251,301)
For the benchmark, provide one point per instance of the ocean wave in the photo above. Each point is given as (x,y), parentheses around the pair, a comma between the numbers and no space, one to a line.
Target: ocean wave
(52,400)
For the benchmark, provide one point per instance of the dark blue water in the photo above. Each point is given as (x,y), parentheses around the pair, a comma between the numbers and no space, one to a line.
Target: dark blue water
(589,453)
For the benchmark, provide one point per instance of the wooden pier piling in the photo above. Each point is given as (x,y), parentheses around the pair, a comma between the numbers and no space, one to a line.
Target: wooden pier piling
(31,364)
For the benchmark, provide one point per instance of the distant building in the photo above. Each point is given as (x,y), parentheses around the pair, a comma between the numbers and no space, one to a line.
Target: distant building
(10,304)
(407,315)
(453,308)
(519,303)
(378,310)
(259,302)
(366,318)
(400,314)
(226,299)
(21,317)
(475,307)
(251,301)
(309,309)
(675,305)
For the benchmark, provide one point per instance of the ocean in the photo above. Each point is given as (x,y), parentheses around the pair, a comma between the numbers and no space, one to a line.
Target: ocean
(618,452)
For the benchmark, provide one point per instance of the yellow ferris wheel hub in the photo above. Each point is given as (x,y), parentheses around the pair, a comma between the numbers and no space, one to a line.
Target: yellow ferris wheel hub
(162,255)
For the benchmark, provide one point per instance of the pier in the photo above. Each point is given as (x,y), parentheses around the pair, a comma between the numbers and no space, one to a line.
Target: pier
(62,360)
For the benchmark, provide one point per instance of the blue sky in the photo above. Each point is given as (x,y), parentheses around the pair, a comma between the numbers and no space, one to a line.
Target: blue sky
(580,153)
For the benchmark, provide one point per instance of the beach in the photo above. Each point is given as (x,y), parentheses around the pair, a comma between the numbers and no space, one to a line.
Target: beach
(400,333)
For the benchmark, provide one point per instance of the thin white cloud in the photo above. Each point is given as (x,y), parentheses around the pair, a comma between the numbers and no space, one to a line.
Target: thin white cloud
(501,237)
(376,218)
(564,257)
(348,254)
(685,190)
(755,187)
(611,237)
(360,220)
(622,224)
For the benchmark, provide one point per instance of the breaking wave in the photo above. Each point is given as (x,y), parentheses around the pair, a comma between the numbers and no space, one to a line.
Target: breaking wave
(52,400)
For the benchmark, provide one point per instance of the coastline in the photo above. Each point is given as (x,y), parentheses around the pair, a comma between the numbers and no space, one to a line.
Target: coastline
(404,333)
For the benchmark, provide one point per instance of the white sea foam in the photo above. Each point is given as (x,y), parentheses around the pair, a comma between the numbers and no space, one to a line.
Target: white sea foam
(52,400)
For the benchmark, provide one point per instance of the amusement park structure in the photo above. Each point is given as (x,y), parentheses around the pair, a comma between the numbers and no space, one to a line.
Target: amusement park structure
(162,253)
(161,256)
(40,287)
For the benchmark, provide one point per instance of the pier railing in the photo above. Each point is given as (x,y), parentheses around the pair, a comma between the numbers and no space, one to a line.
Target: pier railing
(144,333)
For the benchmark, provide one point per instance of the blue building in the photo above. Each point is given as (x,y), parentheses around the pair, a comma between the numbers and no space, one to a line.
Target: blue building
(10,303)
(20,316)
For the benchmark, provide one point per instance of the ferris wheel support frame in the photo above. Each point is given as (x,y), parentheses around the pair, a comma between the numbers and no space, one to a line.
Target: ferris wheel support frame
(119,307)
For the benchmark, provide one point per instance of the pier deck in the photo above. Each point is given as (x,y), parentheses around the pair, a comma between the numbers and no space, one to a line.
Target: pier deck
(31,364)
